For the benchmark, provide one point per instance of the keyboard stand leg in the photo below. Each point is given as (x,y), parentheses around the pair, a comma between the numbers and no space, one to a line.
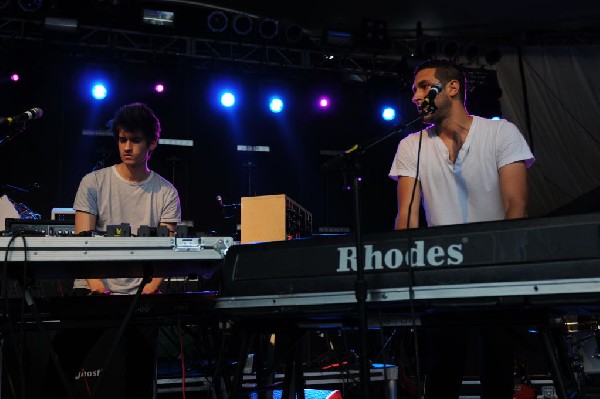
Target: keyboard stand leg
(293,382)
(264,359)
(560,366)
(238,378)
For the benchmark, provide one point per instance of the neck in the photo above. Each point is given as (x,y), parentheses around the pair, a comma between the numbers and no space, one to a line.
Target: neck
(456,126)
(135,173)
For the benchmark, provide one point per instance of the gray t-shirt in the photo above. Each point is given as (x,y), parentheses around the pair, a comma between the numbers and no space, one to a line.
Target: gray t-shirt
(114,200)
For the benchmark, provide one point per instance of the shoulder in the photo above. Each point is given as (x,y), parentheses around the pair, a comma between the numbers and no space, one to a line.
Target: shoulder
(414,137)
(412,141)
(508,141)
(98,175)
(498,130)
(417,134)
(494,124)
(162,182)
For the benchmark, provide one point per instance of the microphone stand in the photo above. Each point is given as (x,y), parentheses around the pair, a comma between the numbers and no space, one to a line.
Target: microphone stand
(340,162)
(13,131)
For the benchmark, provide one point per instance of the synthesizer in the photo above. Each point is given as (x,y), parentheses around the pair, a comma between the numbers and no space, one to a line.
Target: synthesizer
(108,309)
(98,256)
(510,261)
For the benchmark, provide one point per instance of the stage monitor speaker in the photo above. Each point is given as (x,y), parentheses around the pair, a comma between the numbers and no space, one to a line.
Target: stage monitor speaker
(273,218)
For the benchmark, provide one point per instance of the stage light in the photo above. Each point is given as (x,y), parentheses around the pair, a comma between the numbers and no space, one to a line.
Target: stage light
(472,51)
(324,102)
(276,105)
(159,88)
(227,99)
(158,17)
(493,56)
(242,24)
(450,48)
(217,21)
(14,77)
(99,91)
(66,24)
(388,114)
(429,47)
(338,38)
(30,5)
(374,34)
(268,28)
(293,32)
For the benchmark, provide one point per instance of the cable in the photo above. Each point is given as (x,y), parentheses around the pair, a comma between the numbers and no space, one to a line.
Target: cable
(182,354)
(411,274)
(18,351)
(28,300)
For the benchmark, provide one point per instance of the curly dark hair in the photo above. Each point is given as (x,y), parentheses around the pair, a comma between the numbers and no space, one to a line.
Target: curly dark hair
(446,70)
(136,117)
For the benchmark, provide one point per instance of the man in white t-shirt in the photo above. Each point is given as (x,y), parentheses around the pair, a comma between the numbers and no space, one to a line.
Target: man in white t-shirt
(461,169)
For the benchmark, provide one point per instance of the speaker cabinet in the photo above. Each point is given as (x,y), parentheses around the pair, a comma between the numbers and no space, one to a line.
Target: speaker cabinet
(273,218)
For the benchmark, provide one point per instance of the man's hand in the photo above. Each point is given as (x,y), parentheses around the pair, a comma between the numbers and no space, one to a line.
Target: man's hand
(97,286)
(153,286)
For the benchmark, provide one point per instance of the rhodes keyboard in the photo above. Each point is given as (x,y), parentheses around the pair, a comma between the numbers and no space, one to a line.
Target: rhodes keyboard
(536,259)
(98,257)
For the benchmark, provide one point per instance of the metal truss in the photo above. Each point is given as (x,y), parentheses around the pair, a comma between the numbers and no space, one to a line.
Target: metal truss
(139,46)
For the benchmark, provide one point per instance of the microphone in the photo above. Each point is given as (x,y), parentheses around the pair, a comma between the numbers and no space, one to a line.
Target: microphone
(224,205)
(427,105)
(33,113)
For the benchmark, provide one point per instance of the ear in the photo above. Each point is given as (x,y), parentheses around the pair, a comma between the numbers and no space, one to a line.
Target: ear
(153,145)
(453,88)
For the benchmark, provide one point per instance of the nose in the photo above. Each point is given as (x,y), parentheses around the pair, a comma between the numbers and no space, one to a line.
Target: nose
(415,98)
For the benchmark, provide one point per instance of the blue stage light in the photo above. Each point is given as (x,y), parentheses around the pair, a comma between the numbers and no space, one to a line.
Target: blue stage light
(276,104)
(99,91)
(388,114)
(228,99)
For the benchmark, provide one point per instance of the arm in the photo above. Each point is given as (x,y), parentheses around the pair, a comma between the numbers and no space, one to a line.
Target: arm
(404,193)
(171,226)
(153,286)
(513,188)
(85,222)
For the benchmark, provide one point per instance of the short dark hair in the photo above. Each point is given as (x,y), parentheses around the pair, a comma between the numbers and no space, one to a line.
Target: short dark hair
(136,117)
(446,70)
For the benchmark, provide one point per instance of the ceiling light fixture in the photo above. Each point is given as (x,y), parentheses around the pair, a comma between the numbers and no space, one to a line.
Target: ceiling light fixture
(242,24)
(268,28)
(30,5)
(217,21)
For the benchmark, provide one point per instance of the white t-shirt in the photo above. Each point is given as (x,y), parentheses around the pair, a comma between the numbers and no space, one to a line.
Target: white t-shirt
(468,190)
(114,200)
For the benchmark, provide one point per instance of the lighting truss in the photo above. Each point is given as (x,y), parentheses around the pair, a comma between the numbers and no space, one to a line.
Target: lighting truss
(140,46)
